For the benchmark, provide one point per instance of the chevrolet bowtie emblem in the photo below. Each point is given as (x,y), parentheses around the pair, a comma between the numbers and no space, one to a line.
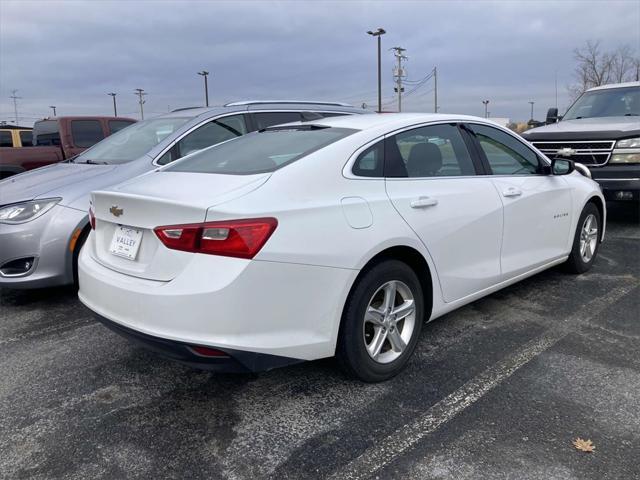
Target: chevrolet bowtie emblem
(116,211)
(566,152)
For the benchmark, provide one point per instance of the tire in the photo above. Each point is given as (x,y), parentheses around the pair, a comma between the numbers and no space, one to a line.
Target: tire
(358,337)
(579,260)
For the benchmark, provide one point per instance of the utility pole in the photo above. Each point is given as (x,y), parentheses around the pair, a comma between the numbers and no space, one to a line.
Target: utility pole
(115,108)
(204,73)
(140,93)
(486,105)
(435,89)
(378,33)
(399,73)
(531,103)
(15,104)
(53,107)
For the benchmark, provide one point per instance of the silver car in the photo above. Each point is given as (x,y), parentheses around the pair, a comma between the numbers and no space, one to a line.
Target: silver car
(44,213)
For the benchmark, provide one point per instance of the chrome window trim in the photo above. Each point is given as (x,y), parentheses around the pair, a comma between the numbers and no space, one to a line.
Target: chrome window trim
(347,171)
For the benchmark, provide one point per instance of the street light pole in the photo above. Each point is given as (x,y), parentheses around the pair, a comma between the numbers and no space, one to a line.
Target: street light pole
(204,73)
(115,109)
(486,106)
(378,33)
(53,107)
(531,103)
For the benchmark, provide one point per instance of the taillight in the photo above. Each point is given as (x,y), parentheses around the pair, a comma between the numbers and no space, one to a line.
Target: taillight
(232,238)
(92,218)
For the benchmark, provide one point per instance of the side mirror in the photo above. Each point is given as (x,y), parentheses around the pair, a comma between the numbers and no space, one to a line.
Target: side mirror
(552,115)
(562,166)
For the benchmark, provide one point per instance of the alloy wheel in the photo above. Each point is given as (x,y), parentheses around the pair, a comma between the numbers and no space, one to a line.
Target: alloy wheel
(588,238)
(389,321)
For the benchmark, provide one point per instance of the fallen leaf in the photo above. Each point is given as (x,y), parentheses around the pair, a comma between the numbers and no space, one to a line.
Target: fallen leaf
(584,445)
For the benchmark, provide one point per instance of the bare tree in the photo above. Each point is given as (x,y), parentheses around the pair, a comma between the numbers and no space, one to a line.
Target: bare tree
(596,67)
(623,67)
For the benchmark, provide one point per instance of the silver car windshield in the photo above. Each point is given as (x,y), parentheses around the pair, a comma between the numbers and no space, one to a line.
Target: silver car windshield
(613,102)
(131,142)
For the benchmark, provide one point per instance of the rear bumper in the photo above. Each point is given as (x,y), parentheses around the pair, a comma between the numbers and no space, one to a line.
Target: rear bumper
(236,361)
(616,179)
(234,305)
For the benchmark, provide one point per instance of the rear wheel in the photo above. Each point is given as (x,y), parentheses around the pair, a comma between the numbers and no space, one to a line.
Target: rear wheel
(586,241)
(381,322)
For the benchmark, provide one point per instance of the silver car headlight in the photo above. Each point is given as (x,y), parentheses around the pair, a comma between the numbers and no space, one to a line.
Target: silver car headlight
(26,211)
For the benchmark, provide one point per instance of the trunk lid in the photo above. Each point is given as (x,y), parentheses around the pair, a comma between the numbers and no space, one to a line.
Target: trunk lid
(157,199)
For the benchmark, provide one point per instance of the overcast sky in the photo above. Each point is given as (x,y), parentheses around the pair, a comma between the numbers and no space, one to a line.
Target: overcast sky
(72,53)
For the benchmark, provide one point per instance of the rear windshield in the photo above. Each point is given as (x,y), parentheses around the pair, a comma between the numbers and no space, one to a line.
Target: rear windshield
(45,133)
(260,152)
(131,142)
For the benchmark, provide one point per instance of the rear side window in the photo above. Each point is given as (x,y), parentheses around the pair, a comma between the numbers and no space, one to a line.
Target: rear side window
(432,151)
(217,131)
(5,139)
(86,133)
(370,163)
(261,152)
(46,133)
(117,125)
(268,119)
(26,138)
(505,154)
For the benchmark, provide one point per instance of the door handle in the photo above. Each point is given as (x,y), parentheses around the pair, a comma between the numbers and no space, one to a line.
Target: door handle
(423,202)
(512,192)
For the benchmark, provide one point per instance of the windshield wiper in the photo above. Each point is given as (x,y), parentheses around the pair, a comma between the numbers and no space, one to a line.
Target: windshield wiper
(93,162)
(631,115)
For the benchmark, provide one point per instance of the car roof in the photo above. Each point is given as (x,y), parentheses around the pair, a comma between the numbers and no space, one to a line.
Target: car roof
(615,85)
(391,121)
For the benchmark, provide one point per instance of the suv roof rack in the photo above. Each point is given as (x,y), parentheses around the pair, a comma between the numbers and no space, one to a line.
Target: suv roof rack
(185,108)
(287,102)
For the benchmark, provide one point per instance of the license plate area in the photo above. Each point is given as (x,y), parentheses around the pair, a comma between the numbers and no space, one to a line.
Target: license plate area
(126,242)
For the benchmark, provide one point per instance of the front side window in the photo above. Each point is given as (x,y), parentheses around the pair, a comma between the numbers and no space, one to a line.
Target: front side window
(260,152)
(432,151)
(86,133)
(505,154)
(217,131)
(268,119)
(5,139)
(132,142)
(26,138)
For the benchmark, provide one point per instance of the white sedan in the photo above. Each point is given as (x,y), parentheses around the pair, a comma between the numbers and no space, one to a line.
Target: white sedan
(339,236)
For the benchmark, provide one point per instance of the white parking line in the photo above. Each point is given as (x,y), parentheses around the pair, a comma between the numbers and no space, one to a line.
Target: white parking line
(388,449)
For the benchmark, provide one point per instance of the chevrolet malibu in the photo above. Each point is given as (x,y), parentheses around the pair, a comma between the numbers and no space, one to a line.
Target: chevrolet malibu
(339,237)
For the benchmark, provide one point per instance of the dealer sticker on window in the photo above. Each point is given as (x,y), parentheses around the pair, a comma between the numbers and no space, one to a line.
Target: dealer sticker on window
(126,242)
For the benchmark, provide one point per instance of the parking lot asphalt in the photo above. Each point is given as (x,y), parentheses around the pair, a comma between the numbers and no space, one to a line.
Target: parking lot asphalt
(496,390)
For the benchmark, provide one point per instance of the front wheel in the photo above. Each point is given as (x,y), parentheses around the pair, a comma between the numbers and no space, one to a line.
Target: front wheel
(381,322)
(586,241)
